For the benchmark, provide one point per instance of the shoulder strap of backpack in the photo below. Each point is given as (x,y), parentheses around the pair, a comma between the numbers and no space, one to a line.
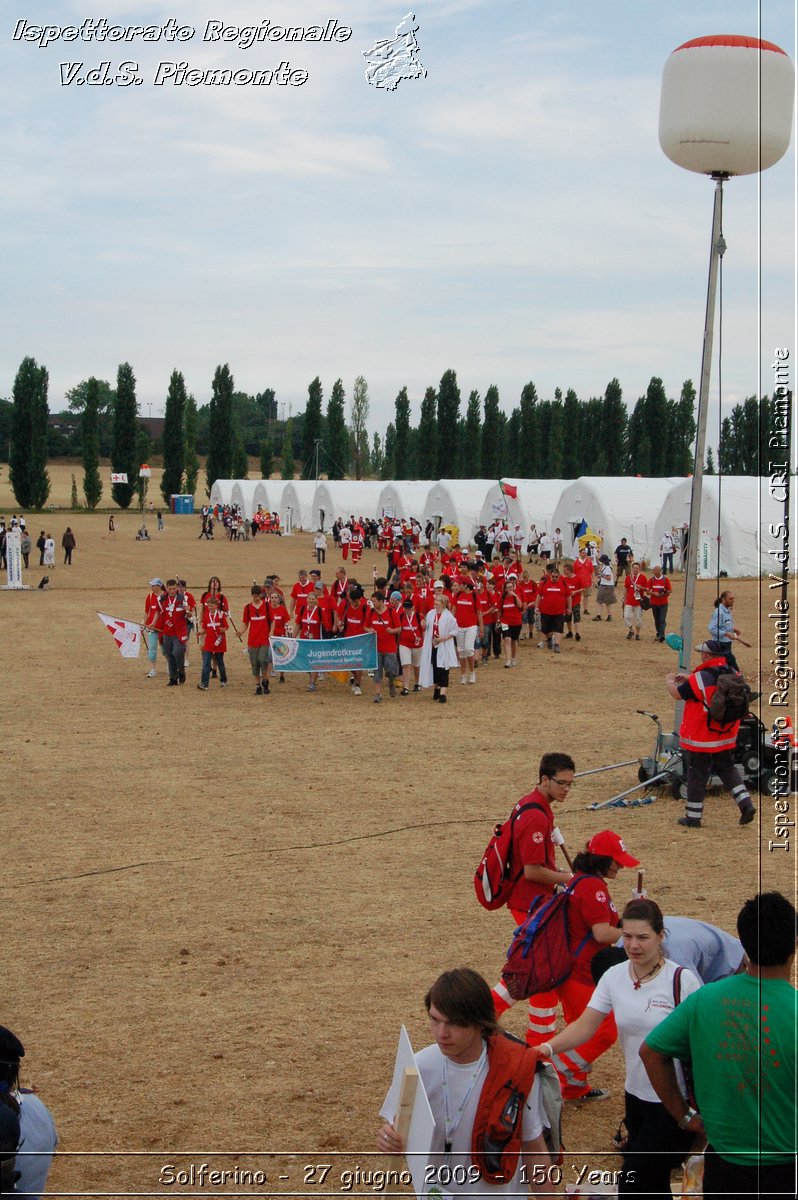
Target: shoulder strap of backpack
(532,804)
(677,986)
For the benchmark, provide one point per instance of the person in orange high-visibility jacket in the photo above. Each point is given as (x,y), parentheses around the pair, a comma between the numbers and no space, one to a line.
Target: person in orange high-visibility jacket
(707,748)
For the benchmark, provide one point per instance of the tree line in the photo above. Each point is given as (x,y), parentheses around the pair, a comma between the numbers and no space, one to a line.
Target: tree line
(563,437)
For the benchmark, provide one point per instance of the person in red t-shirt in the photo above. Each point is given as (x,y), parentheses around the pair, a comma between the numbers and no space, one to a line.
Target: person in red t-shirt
(593,915)
(256,617)
(278,618)
(214,644)
(527,589)
(357,543)
(553,602)
(384,621)
(172,624)
(583,574)
(468,614)
(299,594)
(351,622)
(488,601)
(310,627)
(659,591)
(635,586)
(573,619)
(511,617)
(410,639)
(151,614)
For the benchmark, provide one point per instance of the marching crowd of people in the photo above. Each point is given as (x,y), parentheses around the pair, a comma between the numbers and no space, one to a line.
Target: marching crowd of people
(433,611)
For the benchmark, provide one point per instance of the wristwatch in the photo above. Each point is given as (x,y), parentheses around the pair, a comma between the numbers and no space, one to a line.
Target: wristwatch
(687,1118)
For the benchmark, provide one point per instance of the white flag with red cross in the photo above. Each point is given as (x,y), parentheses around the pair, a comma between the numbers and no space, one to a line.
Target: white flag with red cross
(126,634)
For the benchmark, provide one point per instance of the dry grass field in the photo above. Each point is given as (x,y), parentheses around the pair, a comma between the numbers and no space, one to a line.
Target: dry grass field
(220,907)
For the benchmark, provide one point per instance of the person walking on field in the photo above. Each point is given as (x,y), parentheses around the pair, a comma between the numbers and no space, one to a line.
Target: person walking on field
(659,590)
(722,628)
(68,544)
(708,748)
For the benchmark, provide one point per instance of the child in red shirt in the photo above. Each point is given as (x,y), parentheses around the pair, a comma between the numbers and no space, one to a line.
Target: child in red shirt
(214,645)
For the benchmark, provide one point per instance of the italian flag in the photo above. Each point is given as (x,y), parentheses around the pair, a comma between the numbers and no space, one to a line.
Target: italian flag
(507,489)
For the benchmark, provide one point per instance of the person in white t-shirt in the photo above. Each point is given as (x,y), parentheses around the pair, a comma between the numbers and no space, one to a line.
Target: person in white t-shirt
(453,1071)
(640,993)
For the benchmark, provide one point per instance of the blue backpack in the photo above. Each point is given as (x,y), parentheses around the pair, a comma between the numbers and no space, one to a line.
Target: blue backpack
(540,956)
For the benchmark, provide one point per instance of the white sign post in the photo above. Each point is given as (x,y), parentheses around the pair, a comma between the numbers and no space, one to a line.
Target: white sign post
(14,562)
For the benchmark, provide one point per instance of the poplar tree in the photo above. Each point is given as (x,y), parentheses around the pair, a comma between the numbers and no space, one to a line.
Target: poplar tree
(311,427)
(357,426)
(612,437)
(337,433)
(529,434)
(288,451)
(401,444)
(190,447)
(174,444)
(90,438)
(123,446)
(448,402)
(388,470)
(428,436)
(572,441)
(219,463)
(471,438)
(491,455)
(28,451)
(266,458)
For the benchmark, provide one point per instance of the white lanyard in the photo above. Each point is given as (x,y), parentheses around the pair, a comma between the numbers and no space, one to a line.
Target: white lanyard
(450,1126)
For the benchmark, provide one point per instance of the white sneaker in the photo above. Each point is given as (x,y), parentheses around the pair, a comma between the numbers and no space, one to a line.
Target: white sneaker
(151,674)
(472,678)
(464,679)
(356,691)
(186,664)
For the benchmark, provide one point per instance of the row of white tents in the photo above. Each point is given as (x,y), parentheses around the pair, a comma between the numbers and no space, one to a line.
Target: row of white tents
(740,517)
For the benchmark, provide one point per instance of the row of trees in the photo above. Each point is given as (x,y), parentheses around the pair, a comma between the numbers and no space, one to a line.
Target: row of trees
(130,442)
(559,438)
(539,439)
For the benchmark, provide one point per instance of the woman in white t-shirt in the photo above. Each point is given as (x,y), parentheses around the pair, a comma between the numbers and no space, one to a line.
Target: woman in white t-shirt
(605,593)
(640,993)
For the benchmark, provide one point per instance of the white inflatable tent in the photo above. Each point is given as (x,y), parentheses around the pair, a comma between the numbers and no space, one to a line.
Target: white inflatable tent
(456,502)
(344,498)
(298,497)
(405,498)
(221,492)
(535,503)
(614,506)
(747,511)
(249,493)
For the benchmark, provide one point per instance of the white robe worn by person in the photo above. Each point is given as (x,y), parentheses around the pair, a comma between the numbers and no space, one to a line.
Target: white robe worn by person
(447,651)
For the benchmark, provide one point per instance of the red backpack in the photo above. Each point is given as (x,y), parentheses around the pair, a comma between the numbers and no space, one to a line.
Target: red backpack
(492,881)
(540,956)
(497,1133)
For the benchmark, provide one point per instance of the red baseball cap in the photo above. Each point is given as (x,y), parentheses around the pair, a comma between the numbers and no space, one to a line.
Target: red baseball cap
(609,845)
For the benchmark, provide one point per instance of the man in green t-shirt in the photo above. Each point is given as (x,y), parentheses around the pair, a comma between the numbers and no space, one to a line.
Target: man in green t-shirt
(741,1036)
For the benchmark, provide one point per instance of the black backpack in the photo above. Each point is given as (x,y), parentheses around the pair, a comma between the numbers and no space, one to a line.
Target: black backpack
(730,701)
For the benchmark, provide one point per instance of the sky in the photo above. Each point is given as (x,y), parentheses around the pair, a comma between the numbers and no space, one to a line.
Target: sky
(511,215)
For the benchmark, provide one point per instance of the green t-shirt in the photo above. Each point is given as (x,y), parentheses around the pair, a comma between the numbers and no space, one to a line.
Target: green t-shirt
(741,1036)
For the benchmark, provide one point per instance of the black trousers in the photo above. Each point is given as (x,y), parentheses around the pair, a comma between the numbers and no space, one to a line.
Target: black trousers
(656,1146)
(722,1177)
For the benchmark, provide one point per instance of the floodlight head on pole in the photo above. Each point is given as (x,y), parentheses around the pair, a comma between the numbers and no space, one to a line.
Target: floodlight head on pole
(725,109)
(726,105)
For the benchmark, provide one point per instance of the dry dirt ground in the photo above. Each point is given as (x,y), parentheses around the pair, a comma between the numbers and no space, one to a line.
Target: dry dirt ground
(219,908)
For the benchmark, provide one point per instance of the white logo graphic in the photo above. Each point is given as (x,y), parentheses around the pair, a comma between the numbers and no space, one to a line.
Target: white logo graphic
(537,837)
(390,60)
(284,650)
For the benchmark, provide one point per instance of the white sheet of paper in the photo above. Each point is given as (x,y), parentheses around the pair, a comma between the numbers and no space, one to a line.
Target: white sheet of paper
(422,1122)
